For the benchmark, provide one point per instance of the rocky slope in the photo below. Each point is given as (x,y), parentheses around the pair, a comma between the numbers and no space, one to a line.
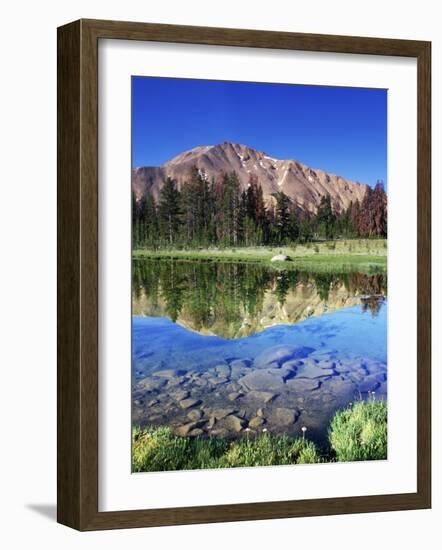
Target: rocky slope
(304,185)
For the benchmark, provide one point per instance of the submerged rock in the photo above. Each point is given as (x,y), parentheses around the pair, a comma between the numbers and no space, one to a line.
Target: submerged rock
(222,371)
(185,428)
(262,380)
(240,363)
(302,385)
(292,364)
(151,383)
(233,396)
(194,414)
(341,387)
(281,416)
(281,354)
(187,403)
(311,370)
(256,422)
(219,414)
(220,432)
(218,380)
(170,373)
(238,367)
(211,422)
(196,432)
(232,423)
(263,396)
(179,395)
(369,384)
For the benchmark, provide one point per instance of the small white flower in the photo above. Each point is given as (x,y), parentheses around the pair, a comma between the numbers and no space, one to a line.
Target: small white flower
(264,430)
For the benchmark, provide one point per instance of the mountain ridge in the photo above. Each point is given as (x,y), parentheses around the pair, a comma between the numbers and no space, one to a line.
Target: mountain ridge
(304,185)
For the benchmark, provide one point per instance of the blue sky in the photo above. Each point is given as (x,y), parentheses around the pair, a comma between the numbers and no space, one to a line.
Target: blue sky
(340,130)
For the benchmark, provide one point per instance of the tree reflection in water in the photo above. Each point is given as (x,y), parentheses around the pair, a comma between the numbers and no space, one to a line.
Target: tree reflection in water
(238,299)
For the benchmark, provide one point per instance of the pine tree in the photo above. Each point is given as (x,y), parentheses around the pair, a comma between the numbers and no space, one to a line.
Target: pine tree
(293,230)
(235,208)
(261,217)
(169,211)
(282,217)
(150,221)
(251,197)
(245,228)
(365,219)
(190,211)
(355,213)
(228,210)
(373,212)
(344,221)
(305,228)
(325,217)
(135,224)
(379,210)
(197,207)
(205,206)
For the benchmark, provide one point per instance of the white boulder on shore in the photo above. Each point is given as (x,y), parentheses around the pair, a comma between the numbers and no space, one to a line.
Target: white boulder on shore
(280,258)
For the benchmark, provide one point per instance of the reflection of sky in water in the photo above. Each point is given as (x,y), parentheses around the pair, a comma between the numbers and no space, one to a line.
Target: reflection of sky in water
(160,343)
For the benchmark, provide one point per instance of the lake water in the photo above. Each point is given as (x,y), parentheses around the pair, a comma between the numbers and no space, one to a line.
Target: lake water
(228,349)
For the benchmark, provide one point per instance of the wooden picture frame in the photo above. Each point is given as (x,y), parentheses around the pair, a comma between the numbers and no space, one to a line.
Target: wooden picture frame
(78,274)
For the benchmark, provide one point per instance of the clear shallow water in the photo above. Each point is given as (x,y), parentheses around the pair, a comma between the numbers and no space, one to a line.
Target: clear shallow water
(218,350)
(159,343)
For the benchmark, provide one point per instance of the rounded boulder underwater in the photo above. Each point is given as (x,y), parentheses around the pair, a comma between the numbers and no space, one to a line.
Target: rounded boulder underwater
(280,354)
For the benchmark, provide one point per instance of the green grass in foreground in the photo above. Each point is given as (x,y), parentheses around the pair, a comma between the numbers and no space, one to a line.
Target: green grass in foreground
(360,432)
(368,255)
(356,433)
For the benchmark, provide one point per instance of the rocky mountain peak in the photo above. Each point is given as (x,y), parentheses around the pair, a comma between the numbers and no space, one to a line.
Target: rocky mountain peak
(305,186)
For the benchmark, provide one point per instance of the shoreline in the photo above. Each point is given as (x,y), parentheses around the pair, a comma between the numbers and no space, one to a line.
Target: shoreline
(363,423)
(364,255)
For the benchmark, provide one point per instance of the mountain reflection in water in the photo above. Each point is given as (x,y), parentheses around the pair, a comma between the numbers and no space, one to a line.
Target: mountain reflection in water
(234,300)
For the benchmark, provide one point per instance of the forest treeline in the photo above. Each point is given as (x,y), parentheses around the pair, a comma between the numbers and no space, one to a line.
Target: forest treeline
(203,213)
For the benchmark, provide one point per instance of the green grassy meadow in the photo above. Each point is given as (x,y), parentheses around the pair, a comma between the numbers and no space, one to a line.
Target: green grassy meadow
(364,255)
